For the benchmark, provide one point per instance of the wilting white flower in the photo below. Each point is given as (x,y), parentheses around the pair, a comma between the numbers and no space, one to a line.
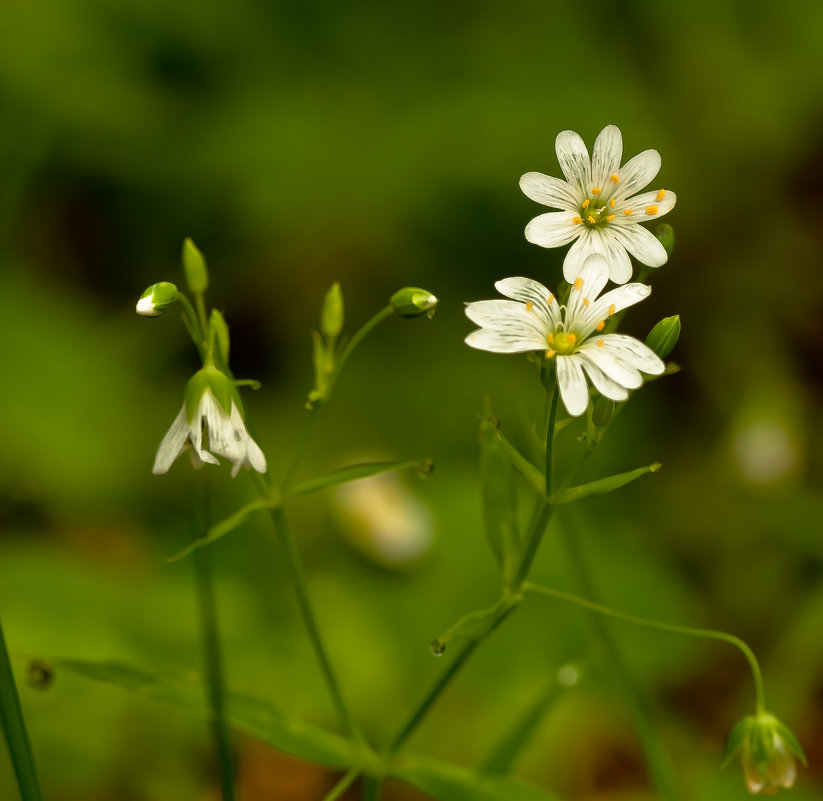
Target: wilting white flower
(210,423)
(568,334)
(599,207)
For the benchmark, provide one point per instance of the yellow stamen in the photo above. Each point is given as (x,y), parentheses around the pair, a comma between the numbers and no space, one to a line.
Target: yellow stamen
(550,300)
(529,305)
(601,325)
(585,203)
(571,338)
(612,202)
(578,283)
(549,354)
(661,194)
(614,177)
(586,302)
(599,343)
(627,212)
(610,217)
(651,210)
(550,339)
(611,309)
(591,219)
(576,220)
(596,190)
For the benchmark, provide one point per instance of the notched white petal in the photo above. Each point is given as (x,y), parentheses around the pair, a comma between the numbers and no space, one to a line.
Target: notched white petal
(499,342)
(606,155)
(574,160)
(172,444)
(638,172)
(553,229)
(571,383)
(548,190)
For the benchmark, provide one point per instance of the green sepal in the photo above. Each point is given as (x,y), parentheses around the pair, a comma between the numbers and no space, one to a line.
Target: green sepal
(736,739)
(194,267)
(761,741)
(332,314)
(411,301)
(220,343)
(663,337)
(323,362)
(353,472)
(218,383)
(499,500)
(603,410)
(602,486)
(665,233)
(783,730)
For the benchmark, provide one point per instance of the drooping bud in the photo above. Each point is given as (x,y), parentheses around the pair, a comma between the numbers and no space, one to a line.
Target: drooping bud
(157,299)
(412,301)
(194,266)
(665,233)
(767,750)
(663,337)
(331,315)
(219,332)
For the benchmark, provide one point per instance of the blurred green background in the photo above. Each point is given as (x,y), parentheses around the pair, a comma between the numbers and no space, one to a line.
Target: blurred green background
(377,144)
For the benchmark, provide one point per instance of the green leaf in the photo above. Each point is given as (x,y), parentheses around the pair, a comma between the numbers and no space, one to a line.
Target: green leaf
(224,527)
(603,485)
(256,716)
(451,783)
(523,465)
(351,473)
(476,625)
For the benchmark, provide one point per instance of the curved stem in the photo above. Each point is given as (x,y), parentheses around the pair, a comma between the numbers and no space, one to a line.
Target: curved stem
(378,318)
(731,639)
(192,324)
(300,451)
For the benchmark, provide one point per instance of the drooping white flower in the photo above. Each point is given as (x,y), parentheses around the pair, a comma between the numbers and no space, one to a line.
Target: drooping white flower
(599,205)
(210,422)
(570,334)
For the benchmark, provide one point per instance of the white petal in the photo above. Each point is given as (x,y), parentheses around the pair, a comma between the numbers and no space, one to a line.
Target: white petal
(620,265)
(255,456)
(602,383)
(609,360)
(578,253)
(500,342)
(587,286)
(549,191)
(525,290)
(641,204)
(635,353)
(605,306)
(642,244)
(172,444)
(638,172)
(574,161)
(606,155)
(572,385)
(205,413)
(553,229)
(508,316)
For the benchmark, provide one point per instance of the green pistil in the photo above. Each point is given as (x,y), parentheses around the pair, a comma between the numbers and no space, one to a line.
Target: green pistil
(563,343)
(598,209)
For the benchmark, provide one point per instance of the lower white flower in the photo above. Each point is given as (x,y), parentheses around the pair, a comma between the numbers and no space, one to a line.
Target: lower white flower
(570,334)
(210,423)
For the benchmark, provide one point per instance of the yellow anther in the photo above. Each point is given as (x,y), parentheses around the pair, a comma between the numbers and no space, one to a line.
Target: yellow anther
(610,217)
(577,220)
(586,302)
(601,325)
(600,343)
(651,210)
(571,338)
(612,202)
(596,190)
(578,283)
(612,308)
(627,212)
(529,306)
(550,300)
(550,339)
(614,177)
(549,354)
(591,219)
(661,194)
(585,203)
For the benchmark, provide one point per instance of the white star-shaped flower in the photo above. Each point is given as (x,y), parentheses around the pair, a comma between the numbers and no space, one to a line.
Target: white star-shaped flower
(599,207)
(210,430)
(570,334)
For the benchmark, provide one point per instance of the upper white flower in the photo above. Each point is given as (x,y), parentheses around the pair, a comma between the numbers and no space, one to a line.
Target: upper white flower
(211,429)
(599,206)
(568,334)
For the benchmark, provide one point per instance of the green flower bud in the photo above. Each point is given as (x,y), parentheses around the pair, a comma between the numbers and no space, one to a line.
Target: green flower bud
(767,750)
(665,233)
(412,301)
(663,337)
(220,336)
(603,412)
(331,315)
(157,299)
(194,266)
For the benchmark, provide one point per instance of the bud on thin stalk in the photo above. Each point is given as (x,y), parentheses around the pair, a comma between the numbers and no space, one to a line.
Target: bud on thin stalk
(331,314)
(413,302)
(194,266)
(157,299)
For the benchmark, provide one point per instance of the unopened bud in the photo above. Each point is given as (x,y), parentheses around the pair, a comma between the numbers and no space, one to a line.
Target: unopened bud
(665,233)
(603,412)
(157,299)
(331,315)
(412,301)
(663,337)
(194,266)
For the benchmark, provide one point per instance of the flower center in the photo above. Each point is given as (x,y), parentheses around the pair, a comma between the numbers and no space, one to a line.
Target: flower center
(561,342)
(597,210)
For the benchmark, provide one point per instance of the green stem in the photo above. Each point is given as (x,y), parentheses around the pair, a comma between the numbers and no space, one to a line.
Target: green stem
(192,324)
(372,788)
(711,634)
(200,303)
(14,729)
(300,451)
(550,441)
(378,318)
(343,785)
(211,652)
(283,531)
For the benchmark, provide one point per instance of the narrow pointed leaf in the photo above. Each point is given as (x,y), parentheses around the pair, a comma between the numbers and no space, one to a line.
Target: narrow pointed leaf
(522,465)
(354,472)
(260,717)
(603,485)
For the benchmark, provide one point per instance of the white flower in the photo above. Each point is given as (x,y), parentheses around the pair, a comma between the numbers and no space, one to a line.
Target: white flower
(568,334)
(210,429)
(599,206)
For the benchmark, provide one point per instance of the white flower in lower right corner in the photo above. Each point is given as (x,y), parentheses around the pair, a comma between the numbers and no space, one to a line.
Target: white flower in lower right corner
(570,334)
(210,422)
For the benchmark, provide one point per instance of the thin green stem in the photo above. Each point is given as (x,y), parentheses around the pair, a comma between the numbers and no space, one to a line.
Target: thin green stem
(711,634)
(372,788)
(283,531)
(192,324)
(211,651)
(200,304)
(550,441)
(378,318)
(14,729)
(343,785)
(302,445)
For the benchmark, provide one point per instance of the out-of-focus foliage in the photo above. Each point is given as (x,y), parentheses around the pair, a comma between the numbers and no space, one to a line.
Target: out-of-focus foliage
(379,145)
